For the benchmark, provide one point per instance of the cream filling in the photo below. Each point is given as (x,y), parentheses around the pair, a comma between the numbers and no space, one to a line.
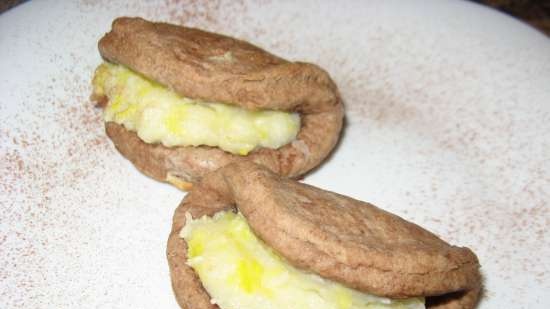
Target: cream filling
(239,271)
(159,115)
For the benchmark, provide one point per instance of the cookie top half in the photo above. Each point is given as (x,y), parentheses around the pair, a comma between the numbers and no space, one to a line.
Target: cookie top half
(213,67)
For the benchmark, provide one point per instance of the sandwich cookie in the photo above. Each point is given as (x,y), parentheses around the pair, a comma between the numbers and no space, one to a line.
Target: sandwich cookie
(181,102)
(245,237)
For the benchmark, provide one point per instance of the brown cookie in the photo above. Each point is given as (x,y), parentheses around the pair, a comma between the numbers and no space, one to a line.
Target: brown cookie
(216,68)
(337,237)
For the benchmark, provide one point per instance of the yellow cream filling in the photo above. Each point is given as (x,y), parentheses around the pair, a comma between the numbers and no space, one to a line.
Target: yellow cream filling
(239,271)
(159,115)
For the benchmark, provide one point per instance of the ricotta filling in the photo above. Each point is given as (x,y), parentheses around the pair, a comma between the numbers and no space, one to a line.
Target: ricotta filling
(159,115)
(238,270)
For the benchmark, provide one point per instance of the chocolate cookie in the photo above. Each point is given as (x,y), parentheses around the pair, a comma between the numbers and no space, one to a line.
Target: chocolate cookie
(212,67)
(337,237)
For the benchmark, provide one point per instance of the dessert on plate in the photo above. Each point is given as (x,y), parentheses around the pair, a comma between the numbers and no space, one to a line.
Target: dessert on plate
(245,237)
(181,102)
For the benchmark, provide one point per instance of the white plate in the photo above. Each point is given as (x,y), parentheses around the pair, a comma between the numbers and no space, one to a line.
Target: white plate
(448,125)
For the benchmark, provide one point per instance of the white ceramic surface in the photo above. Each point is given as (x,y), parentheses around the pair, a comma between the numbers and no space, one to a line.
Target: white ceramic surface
(448,125)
